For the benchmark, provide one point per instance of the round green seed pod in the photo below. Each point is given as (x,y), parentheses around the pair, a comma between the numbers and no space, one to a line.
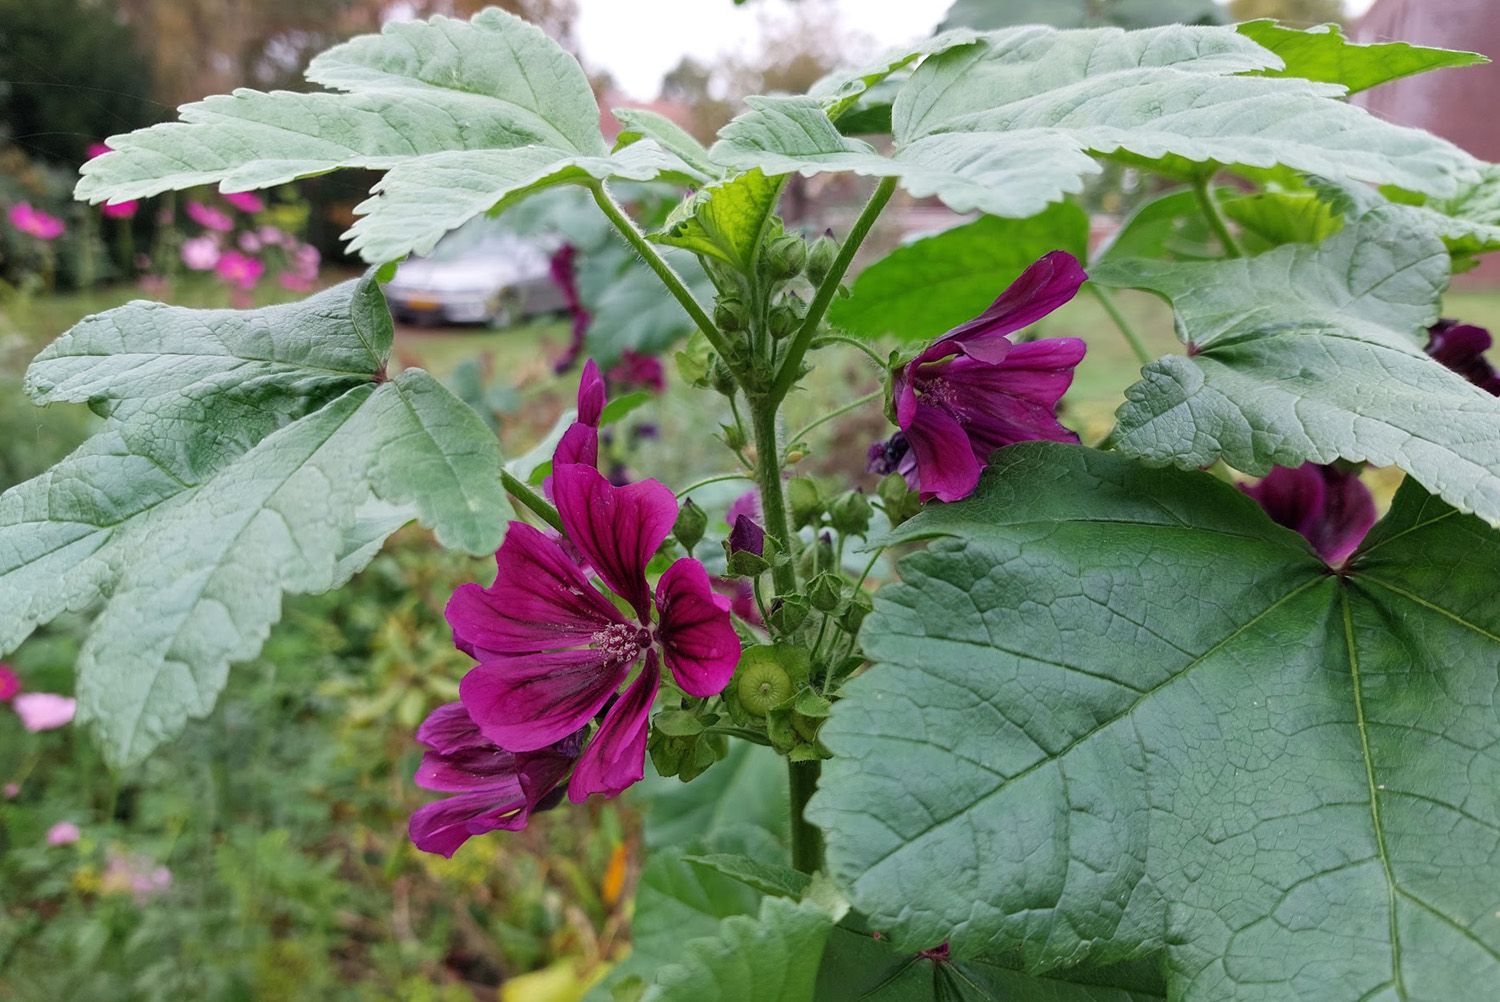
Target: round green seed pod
(761,682)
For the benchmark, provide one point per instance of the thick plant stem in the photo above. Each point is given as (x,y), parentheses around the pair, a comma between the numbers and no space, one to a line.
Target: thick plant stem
(1215,217)
(772,495)
(807,841)
(674,283)
(1108,302)
(802,340)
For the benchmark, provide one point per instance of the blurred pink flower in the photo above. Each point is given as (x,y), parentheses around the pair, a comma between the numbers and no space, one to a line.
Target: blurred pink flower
(270,235)
(44,711)
(208,217)
(134,874)
(63,833)
(245,201)
(200,253)
(10,683)
(294,282)
(155,286)
(35,222)
(307,259)
(97,150)
(11,790)
(120,210)
(239,270)
(249,242)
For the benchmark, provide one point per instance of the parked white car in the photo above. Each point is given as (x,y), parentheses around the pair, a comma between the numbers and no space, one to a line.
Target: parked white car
(480,273)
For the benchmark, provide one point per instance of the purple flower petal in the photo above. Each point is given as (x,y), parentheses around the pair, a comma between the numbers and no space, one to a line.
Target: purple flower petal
(450,729)
(697,636)
(44,711)
(1048,284)
(527,702)
(540,601)
(1016,400)
(1331,508)
(617,529)
(1462,347)
(590,394)
(616,757)
(946,466)
(747,504)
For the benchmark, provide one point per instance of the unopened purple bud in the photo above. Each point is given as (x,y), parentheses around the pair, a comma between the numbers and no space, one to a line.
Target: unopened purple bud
(747,537)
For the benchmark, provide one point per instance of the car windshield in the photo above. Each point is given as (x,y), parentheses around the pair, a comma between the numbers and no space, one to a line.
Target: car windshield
(483,238)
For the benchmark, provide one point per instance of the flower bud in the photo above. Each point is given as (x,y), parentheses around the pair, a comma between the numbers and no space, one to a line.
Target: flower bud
(789,612)
(721,378)
(784,320)
(901,502)
(746,547)
(803,498)
(730,314)
(825,591)
(786,256)
(850,513)
(691,523)
(734,436)
(821,257)
(855,612)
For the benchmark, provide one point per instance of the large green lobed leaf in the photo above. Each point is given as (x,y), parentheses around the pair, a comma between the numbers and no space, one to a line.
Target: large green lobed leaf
(244,455)
(1014,120)
(466,116)
(1116,713)
(1315,353)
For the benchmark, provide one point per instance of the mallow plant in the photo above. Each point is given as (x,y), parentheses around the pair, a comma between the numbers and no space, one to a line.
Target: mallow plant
(1172,715)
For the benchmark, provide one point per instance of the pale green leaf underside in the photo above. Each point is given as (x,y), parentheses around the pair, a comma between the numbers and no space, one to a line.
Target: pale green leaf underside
(1008,124)
(1314,353)
(928,286)
(245,455)
(1117,713)
(467,115)
(642,123)
(987,14)
(1325,55)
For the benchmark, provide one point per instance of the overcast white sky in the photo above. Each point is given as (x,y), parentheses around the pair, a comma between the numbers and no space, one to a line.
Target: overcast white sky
(638,41)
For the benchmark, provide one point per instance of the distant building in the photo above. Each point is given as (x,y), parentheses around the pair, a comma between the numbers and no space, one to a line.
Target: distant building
(1457,104)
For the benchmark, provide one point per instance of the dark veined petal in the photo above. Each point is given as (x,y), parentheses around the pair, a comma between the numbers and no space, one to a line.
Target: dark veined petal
(1461,347)
(616,757)
(449,729)
(1049,283)
(1015,400)
(946,466)
(697,637)
(590,394)
(529,701)
(540,601)
(617,529)
(747,536)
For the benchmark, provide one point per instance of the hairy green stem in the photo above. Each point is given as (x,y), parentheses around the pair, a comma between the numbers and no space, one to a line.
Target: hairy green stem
(531,500)
(1215,217)
(772,496)
(868,398)
(674,283)
(802,340)
(713,480)
(1108,302)
(852,342)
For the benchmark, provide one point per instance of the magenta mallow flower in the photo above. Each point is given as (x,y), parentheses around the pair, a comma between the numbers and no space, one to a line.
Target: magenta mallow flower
(493,789)
(1331,508)
(238,270)
(554,650)
(35,222)
(208,217)
(245,201)
(974,390)
(747,504)
(10,683)
(635,371)
(565,276)
(1461,347)
(120,210)
(44,711)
